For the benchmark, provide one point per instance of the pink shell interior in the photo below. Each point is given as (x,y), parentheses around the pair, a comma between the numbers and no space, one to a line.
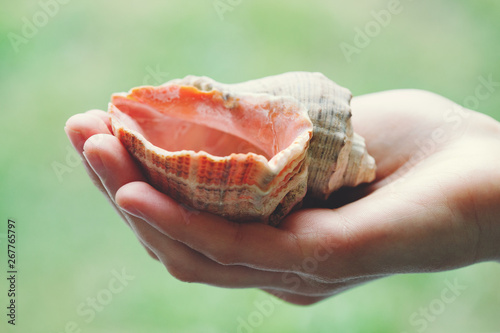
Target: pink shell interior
(177,118)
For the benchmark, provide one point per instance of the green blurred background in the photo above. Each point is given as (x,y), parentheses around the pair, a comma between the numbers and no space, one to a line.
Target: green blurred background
(70,241)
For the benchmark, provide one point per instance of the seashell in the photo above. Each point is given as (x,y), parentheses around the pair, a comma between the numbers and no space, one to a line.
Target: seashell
(248,151)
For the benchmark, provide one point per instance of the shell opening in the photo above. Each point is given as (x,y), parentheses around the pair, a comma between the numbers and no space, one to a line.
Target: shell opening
(177,118)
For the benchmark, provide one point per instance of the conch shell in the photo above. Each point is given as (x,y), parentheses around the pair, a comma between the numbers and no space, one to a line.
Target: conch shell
(248,151)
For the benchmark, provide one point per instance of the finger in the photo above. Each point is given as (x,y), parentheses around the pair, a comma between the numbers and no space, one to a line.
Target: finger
(295,298)
(312,291)
(82,126)
(114,167)
(78,129)
(254,245)
(104,116)
(188,265)
(111,162)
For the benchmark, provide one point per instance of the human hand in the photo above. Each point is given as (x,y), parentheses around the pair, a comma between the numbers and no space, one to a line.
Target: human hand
(433,206)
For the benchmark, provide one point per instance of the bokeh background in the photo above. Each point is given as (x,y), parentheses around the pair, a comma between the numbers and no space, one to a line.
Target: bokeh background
(70,241)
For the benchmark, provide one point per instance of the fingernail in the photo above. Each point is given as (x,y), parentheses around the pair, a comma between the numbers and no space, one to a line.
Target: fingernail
(96,163)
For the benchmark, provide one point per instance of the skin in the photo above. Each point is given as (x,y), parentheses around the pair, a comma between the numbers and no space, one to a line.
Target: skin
(434,206)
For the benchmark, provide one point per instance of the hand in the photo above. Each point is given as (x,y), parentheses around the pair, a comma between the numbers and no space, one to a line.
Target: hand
(434,206)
